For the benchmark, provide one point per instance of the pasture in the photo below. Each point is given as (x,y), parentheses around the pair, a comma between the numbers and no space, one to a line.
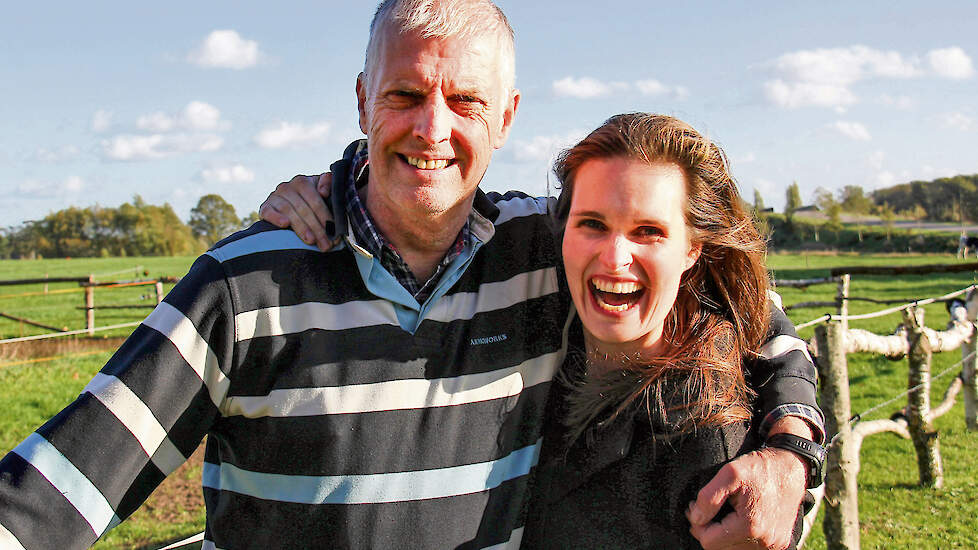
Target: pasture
(894,512)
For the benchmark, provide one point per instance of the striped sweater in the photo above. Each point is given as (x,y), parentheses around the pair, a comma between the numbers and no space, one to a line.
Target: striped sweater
(329,424)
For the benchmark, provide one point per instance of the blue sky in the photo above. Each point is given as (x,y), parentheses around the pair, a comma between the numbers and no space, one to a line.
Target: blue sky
(174,100)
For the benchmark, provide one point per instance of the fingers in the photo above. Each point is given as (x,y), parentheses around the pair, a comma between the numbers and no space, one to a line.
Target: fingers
(325,184)
(712,496)
(299,204)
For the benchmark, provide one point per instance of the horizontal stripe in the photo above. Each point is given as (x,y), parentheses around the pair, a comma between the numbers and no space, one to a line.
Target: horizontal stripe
(285,239)
(518,207)
(138,419)
(8,541)
(397,394)
(170,322)
(493,296)
(66,478)
(387,441)
(373,488)
(783,344)
(276,321)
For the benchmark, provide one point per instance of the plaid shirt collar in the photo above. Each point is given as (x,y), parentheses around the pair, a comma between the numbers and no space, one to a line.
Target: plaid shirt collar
(370,237)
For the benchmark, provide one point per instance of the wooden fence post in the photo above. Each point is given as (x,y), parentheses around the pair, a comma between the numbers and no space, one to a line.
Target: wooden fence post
(841,524)
(159,291)
(970,361)
(90,305)
(922,432)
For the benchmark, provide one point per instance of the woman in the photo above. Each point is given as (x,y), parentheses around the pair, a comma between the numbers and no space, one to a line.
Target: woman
(672,298)
(665,269)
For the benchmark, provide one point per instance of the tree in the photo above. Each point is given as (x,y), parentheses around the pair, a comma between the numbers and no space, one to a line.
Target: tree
(854,199)
(887,215)
(792,199)
(248,220)
(213,219)
(758,202)
(830,207)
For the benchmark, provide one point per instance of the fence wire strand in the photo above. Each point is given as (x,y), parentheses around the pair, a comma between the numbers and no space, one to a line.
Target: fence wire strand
(857,417)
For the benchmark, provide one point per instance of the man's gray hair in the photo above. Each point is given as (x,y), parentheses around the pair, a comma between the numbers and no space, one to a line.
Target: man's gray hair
(444,19)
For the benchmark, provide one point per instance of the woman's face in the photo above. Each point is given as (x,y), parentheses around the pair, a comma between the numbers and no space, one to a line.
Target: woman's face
(626,245)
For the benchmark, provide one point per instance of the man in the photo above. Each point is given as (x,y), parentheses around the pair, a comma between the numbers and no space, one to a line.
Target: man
(388,393)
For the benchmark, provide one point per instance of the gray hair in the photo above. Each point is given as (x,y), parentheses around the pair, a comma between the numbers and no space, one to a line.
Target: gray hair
(444,19)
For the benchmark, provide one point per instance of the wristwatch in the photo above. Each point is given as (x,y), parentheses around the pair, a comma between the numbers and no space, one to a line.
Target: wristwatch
(810,452)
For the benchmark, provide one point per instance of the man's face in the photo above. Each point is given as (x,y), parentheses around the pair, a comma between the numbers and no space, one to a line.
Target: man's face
(433,111)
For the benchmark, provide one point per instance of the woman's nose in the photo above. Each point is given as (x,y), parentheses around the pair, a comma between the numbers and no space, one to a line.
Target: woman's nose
(616,253)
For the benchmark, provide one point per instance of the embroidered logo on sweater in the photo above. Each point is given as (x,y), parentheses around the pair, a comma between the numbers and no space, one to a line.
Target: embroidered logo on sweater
(487,340)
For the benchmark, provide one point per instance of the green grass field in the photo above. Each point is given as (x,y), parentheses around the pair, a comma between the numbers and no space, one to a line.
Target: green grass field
(63,304)
(894,512)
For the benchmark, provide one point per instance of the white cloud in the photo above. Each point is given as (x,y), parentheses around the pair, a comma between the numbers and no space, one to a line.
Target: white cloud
(237,173)
(585,87)
(902,102)
(951,63)
(197,115)
(652,87)
(292,134)
(852,130)
(156,122)
(201,116)
(157,146)
(884,179)
(61,154)
(545,148)
(822,77)
(226,48)
(792,95)
(843,66)
(101,120)
(957,121)
(73,184)
(45,189)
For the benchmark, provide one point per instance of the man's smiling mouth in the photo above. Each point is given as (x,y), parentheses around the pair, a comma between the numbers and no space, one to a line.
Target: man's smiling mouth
(423,164)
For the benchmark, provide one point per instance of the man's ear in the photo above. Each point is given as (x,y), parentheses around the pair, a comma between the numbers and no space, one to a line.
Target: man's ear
(361,102)
(509,113)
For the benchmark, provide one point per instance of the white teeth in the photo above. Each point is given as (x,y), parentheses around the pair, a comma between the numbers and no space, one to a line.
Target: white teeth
(609,307)
(427,164)
(617,287)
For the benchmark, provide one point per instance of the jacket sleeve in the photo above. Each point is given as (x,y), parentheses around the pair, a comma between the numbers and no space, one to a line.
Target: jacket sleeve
(785,377)
(141,417)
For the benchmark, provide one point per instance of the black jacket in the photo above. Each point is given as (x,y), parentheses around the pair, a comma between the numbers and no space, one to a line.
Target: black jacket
(620,486)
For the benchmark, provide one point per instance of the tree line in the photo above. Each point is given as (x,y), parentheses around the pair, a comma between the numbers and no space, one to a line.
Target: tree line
(953,199)
(131,229)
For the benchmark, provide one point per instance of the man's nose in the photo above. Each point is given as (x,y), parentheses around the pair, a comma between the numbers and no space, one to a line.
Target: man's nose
(433,124)
(616,253)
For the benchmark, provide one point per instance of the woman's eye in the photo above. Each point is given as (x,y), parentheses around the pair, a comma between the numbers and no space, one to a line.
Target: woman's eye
(591,224)
(649,231)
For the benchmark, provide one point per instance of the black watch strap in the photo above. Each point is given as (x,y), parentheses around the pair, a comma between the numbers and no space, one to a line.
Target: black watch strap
(812,453)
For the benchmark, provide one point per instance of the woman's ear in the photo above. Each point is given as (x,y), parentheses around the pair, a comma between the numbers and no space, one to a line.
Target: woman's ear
(694,254)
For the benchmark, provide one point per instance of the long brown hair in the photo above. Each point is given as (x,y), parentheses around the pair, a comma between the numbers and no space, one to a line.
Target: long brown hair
(721,313)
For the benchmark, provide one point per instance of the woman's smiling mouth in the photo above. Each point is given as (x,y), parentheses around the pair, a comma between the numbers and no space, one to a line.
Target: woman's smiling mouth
(615,297)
